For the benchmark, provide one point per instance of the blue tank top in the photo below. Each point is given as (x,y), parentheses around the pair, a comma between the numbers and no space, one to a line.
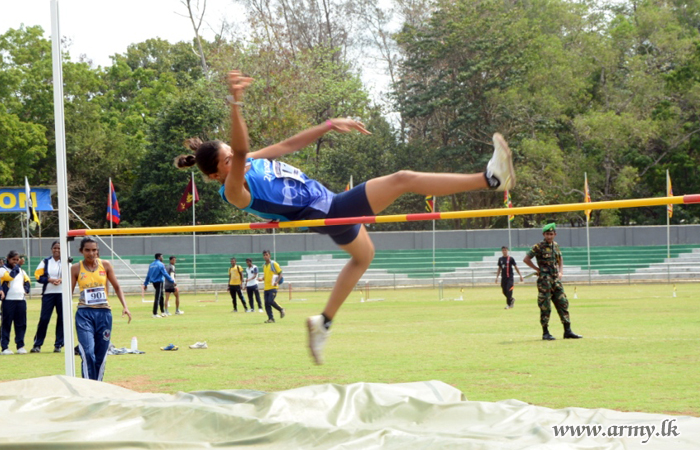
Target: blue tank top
(282,192)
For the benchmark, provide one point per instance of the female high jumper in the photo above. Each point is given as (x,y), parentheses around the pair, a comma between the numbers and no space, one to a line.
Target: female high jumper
(259,184)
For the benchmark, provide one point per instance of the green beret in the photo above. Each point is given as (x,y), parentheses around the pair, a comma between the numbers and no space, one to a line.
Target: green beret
(549,227)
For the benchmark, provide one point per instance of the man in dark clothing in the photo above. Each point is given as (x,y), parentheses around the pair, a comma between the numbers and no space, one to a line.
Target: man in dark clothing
(506,264)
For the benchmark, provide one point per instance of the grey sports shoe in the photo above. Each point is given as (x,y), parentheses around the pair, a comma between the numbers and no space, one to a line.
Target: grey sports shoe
(198,345)
(318,334)
(500,173)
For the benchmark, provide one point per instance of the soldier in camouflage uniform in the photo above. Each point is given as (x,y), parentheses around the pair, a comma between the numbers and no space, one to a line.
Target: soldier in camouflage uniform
(550,266)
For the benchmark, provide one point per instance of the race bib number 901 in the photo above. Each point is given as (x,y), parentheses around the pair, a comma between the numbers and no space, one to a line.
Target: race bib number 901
(95,296)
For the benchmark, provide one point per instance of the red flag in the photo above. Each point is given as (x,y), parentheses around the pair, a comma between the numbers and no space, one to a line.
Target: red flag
(189,197)
(113,213)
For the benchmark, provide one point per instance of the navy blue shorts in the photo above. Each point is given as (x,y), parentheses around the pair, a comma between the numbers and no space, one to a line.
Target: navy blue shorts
(352,203)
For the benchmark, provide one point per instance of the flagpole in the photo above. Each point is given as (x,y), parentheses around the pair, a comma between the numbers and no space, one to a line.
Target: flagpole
(588,234)
(434,209)
(510,242)
(61,175)
(111,236)
(28,249)
(668,218)
(194,233)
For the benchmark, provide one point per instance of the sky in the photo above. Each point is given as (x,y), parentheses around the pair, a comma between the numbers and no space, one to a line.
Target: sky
(98,29)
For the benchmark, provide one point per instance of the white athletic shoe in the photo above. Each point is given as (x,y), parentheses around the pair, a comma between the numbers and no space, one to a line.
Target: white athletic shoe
(318,334)
(201,345)
(156,316)
(499,171)
(260,310)
(22,351)
(179,311)
(7,351)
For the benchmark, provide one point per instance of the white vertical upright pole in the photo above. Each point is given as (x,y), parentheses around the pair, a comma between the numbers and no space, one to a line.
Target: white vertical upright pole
(274,244)
(194,233)
(61,173)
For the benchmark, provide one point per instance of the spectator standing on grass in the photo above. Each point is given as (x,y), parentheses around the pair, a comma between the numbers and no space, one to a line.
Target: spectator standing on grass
(93,319)
(550,270)
(272,275)
(235,281)
(251,286)
(14,284)
(156,274)
(49,275)
(506,264)
(171,288)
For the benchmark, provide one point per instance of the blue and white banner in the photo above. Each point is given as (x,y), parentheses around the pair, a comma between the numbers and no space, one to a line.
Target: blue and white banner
(14,200)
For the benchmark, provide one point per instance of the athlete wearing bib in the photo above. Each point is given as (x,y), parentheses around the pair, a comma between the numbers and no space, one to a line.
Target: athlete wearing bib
(282,192)
(93,319)
(256,182)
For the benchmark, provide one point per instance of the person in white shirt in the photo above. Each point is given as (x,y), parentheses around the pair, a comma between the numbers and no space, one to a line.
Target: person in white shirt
(15,284)
(251,285)
(48,273)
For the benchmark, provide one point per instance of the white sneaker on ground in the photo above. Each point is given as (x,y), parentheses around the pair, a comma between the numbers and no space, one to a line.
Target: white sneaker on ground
(318,334)
(156,316)
(260,310)
(201,345)
(22,351)
(500,173)
(7,351)
(179,311)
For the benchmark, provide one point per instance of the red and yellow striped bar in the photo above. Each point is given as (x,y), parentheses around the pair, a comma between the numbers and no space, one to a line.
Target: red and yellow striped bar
(544,209)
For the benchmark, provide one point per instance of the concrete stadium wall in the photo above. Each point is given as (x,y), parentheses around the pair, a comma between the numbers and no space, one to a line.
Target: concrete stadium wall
(309,242)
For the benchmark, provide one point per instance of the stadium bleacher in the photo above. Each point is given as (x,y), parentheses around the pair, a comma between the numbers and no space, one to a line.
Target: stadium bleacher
(464,267)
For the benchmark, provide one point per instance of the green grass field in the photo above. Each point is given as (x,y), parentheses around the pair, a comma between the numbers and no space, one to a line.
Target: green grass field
(640,352)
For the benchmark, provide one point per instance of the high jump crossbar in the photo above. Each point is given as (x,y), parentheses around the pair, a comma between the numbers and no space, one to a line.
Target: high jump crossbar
(566,207)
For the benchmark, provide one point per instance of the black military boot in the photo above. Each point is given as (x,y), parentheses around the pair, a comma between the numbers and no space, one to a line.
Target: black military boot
(546,336)
(568,334)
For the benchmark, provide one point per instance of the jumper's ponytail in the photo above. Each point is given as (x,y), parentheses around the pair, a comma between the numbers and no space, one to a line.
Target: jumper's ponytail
(206,155)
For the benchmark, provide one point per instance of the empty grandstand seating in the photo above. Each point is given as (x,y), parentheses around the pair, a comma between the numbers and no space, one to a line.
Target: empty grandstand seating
(463,267)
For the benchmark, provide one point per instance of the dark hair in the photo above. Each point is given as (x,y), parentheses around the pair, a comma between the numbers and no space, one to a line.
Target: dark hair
(171,258)
(85,240)
(54,243)
(11,254)
(248,259)
(266,251)
(504,247)
(158,255)
(206,155)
